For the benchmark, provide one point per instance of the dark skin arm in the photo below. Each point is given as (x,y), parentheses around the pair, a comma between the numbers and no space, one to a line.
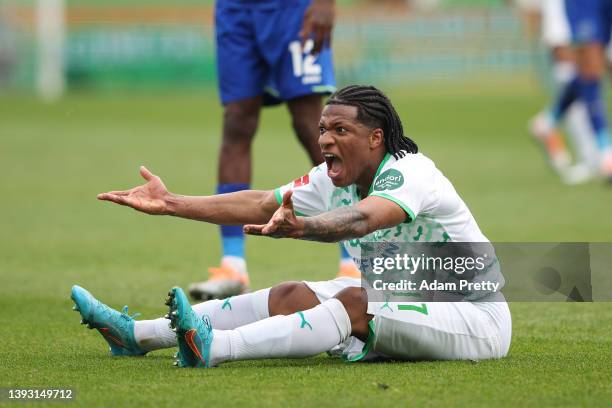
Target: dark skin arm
(249,206)
(318,23)
(371,214)
(255,208)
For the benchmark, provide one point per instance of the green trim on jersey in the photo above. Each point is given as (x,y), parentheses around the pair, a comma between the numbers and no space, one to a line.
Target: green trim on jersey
(406,209)
(367,346)
(380,167)
(278,195)
(279,200)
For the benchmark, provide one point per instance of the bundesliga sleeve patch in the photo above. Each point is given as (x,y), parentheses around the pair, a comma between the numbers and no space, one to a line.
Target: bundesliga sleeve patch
(301,181)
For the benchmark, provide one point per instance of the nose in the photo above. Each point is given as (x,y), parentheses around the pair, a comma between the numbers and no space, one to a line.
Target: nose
(325,140)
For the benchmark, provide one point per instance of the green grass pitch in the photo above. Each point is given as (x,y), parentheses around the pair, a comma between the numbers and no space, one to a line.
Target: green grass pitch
(55,159)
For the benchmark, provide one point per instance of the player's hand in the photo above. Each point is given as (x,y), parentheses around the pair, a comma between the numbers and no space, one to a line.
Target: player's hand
(318,24)
(283,224)
(150,198)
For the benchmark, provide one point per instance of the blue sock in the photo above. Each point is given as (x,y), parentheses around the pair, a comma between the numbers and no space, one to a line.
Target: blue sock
(591,95)
(604,139)
(344,255)
(232,237)
(567,95)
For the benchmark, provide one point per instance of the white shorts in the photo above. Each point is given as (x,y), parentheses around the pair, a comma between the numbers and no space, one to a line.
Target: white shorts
(427,331)
(556,31)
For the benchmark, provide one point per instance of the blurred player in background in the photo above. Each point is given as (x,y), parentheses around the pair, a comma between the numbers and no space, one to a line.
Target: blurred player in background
(556,35)
(589,22)
(268,52)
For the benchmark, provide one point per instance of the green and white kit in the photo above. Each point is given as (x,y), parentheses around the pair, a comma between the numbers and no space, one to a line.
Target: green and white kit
(434,213)
(434,210)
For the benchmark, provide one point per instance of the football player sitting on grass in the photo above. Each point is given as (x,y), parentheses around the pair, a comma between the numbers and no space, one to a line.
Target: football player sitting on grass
(373,180)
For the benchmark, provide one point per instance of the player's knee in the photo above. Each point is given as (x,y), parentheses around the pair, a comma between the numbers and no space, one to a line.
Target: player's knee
(305,115)
(592,73)
(355,301)
(290,297)
(307,132)
(304,128)
(592,65)
(239,123)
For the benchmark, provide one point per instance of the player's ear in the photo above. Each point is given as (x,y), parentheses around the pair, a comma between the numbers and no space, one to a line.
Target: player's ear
(376,138)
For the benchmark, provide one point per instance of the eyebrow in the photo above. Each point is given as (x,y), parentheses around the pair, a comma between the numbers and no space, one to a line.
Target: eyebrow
(335,122)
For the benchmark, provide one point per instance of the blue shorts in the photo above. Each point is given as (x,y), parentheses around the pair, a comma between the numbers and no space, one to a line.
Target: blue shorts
(259,52)
(590,20)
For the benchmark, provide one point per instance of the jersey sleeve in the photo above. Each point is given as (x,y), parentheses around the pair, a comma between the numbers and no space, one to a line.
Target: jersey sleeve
(310,192)
(411,186)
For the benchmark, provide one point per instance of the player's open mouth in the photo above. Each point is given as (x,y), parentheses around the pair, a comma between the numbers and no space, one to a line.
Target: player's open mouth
(334,165)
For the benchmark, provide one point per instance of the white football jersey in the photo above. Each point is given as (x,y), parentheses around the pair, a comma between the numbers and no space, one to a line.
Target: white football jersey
(435,212)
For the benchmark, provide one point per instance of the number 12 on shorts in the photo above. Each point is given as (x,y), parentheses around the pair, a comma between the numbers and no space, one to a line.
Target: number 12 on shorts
(304,63)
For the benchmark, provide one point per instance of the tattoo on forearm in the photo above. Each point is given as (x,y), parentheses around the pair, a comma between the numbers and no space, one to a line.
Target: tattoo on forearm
(337,225)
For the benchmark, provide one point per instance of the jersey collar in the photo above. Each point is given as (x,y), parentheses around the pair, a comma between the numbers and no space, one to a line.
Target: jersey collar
(380,167)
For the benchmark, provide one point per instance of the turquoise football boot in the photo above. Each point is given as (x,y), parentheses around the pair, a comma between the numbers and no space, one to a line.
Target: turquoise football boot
(116,327)
(194,334)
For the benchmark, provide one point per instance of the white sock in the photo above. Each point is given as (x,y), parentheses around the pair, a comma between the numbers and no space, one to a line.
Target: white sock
(224,314)
(237,263)
(235,311)
(154,334)
(577,119)
(581,132)
(301,334)
(563,72)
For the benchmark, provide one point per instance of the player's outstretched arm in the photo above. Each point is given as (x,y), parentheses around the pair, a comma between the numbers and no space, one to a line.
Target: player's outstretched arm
(153,198)
(371,214)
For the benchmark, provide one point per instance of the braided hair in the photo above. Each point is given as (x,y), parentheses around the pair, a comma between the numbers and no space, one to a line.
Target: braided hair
(375,110)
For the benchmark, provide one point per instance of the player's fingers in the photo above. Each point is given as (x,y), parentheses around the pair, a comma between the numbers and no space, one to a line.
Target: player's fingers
(287,201)
(120,193)
(124,200)
(319,38)
(105,196)
(328,37)
(277,219)
(252,229)
(306,30)
(146,174)
(270,228)
(113,198)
